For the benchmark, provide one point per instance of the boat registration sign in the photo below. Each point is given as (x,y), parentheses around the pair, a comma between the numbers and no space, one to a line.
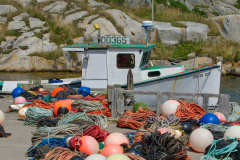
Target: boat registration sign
(115,39)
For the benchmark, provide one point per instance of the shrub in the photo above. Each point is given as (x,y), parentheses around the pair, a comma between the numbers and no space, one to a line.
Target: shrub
(54,55)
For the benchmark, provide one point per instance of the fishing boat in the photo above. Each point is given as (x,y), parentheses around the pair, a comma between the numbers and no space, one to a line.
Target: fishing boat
(108,62)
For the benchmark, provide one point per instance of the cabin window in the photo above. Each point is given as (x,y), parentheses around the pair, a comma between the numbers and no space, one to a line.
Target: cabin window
(125,61)
(145,58)
(154,74)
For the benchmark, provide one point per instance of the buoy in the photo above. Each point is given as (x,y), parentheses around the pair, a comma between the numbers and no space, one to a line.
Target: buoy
(19,100)
(56,90)
(200,139)
(101,145)
(179,134)
(116,138)
(85,91)
(133,151)
(233,131)
(73,142)
(220,116)
(89,145)
(22,113)
(210,118)
(96,157)
(61,107)
(111,149)
(41,97)
(2,117)
(169,107)
(139,105)
(186,127)
(77,158)
(16,92)
(118,157)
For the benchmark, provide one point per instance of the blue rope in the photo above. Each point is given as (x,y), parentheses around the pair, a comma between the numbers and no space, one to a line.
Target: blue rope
(49,141)
(217,152)
(129,136)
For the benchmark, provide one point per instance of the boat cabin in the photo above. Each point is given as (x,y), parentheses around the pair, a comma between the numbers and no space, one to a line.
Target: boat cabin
(108,64)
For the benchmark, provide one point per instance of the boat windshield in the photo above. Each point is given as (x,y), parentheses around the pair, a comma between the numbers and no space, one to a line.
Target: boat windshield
(125,61)
(145,58)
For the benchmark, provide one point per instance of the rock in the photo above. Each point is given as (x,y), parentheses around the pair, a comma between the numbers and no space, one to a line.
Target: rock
(131,28)
(160,7)
(3,20)
(187,4)
(24,3)
(229,27)
(75,16)
(138,3)
(54,15)
(46,37)
(227,68)
(191,55)
(20,17)
(86,20)
(196,31)
(93,3)
(74,5)
(79,55)
(202,61)
(70,11)
(223,8)
(37,30)
(56,7)
(14,25)
(107,29)
(5,9)
(36,23)
(159,62)
(10,39)
(219,59)
(61,60)
(232,2)
(187,64)
(168,34)
(76,40)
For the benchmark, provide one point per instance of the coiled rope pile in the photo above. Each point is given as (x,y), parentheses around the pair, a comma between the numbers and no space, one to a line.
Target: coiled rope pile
(162,146)
(82,123)
(134,157)
(96,132)
(60,153)
(48,121)
(134,120)
(87,106)
(33,113)
(40,104)
(28,95)
(101,121)
(3,133)
(187,111)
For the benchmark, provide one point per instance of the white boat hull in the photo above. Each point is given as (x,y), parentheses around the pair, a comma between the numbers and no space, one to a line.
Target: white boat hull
(196,81)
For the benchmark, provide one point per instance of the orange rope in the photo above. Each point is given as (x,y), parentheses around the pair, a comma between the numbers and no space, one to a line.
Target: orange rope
(60,153)
(134,120)
(40,104)
(187,111)
(134,157)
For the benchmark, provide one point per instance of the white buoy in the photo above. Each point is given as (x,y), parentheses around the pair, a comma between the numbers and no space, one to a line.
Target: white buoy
(233,131)
(96,157)
(2,117)
(22,112)
(200,139)
(169,107)
(179,134)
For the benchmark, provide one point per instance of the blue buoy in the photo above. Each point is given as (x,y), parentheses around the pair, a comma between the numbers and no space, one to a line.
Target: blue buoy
(85,91)
(210,118)
(16,92)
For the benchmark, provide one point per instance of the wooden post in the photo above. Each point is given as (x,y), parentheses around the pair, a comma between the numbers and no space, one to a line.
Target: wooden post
(129,80)
(110,93)
(114,103)
(159,103)
(205,102)
(224,105)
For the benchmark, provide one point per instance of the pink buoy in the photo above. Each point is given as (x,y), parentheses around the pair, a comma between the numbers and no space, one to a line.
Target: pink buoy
(220,116)
(19,100)
(200,139)
(116,138)
(169,107)
(170,130)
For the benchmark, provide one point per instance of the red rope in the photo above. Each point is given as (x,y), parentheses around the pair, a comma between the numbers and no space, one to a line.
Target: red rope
(96,132)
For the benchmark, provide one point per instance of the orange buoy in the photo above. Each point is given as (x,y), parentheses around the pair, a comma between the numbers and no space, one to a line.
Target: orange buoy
(56,90)
(111,149)
(89,145)
(61,107)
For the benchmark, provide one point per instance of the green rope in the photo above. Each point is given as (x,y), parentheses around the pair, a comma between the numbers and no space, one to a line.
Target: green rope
(88,106)
(101,121)
(218,152)
(212,126)
(33,113)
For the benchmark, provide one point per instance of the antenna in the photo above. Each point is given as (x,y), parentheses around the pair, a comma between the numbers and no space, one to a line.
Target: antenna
(152,11)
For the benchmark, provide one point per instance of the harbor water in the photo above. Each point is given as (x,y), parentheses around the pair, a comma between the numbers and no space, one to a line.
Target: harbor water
(229,85)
